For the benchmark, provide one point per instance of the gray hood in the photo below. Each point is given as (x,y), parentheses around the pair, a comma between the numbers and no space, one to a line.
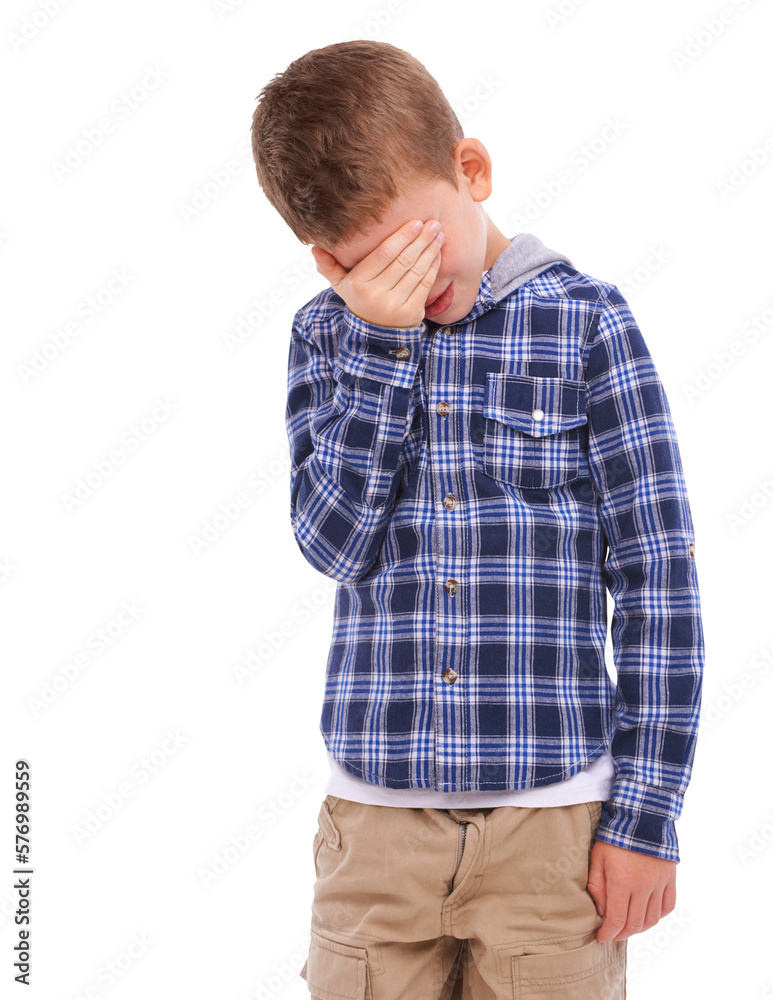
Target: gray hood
(518,263)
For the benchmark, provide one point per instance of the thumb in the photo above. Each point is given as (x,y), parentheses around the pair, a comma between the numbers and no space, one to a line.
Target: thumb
(328,266)
(597,882)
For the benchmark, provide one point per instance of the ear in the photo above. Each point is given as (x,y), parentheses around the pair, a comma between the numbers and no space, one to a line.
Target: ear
(473,167)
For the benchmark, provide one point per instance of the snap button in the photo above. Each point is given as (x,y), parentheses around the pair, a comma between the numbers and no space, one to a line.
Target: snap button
(443,408)
(538,414)
(449,501)
(402,353)
(451,586)
(449,676)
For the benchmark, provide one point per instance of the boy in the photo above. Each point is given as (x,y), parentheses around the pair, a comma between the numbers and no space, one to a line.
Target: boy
(481,447)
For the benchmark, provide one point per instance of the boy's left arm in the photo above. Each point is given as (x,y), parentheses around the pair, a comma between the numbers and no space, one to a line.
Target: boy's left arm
(657,633)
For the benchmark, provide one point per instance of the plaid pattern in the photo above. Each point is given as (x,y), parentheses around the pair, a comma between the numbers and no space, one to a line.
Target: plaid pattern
(476,495)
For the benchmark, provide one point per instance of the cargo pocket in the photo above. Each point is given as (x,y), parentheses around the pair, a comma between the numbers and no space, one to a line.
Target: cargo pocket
(536,431)
(336,971)
(597,971)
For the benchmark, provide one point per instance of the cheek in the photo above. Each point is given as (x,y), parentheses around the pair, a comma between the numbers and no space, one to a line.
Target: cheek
(449,258)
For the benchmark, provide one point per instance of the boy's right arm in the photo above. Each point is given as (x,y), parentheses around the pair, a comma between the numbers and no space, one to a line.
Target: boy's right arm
(348,422)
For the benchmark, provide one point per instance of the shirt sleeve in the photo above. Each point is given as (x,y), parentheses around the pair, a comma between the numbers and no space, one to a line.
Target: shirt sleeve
(354,429)
(650,572)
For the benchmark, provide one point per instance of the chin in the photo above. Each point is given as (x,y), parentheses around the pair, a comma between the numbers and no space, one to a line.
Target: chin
(457,311)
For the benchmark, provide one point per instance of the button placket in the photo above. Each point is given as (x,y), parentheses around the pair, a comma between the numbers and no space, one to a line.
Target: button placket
(451,537)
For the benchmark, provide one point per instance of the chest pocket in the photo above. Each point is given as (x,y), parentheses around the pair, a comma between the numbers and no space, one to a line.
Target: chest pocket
(535,433)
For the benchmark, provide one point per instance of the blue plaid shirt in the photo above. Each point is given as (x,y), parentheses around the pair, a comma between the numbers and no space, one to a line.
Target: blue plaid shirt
(475,489)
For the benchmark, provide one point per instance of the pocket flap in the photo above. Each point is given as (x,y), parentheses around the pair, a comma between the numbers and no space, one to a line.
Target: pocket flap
(334,970)
(599,964)
(535,405)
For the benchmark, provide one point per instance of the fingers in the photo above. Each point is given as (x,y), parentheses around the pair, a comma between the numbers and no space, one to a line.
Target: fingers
(397,255)
(416,294)
(597,882)
(654,911)
(618,901)
(390,286)
(669,897)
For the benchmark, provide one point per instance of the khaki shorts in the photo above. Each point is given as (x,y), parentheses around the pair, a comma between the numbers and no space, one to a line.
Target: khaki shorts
(457,904)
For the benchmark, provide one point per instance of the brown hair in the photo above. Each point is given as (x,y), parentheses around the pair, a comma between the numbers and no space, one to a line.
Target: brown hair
(344,132)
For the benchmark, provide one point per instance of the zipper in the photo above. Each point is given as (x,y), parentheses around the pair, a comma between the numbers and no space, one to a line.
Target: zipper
(463,826)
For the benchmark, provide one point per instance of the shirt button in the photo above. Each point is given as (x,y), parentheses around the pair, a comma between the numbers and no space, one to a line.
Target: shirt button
(402,353)
(452,586)
(449,501)
(538,414)
(692,549)
(443,407)
(448,330)
(449,676)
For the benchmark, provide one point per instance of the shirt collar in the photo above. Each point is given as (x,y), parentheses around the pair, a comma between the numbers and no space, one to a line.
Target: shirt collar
(525,257)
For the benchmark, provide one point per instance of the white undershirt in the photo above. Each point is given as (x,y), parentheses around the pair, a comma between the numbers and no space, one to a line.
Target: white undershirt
(593,783)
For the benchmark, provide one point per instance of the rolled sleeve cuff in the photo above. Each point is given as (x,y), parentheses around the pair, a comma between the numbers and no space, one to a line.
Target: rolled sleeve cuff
(641,818)
(382,353)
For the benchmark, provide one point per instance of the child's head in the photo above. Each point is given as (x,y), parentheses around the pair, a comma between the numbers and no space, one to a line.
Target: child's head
(344,131)
(357,138)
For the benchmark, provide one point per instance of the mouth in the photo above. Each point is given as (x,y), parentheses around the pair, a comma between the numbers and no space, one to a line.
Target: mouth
(441,302)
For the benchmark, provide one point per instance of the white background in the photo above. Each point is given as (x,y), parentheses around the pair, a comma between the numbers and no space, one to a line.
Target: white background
(126,821)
